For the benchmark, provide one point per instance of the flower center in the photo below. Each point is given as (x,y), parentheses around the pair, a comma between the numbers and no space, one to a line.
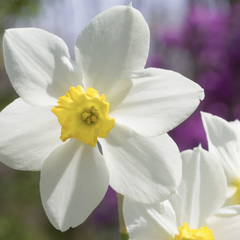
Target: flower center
(83,115)
(185,233)
(90,115)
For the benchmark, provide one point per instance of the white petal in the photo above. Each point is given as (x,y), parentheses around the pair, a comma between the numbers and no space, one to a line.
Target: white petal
(74,179)
(144,169)
(225,224)
(236,127)
(38,65)
(154,101)
(150,221)
(202,191)
(112,46)
(28,135)
(223,144)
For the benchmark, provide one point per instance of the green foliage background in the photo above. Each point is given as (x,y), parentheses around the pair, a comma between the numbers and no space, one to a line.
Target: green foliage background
(13,8)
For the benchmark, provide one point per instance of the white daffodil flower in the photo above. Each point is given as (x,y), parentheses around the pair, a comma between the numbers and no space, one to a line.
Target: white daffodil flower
(106,95)
(194,212)
(224,143)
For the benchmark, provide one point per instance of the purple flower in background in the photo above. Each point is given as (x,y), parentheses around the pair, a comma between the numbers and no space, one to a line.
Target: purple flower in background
(207,43)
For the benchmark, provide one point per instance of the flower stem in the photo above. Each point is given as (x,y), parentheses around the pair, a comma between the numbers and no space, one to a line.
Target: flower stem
(122,227)
(124,236)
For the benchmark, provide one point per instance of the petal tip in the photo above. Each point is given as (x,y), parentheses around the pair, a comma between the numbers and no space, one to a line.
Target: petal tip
(202,96)
(205,115)
(130,5)
(6,31)
(6,35)
(199,146)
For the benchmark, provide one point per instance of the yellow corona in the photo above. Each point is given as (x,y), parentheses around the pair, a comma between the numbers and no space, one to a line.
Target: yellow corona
(83,115)
(185,233)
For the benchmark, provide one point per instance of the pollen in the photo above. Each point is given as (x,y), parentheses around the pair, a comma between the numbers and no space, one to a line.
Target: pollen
(83,115)
(185,233)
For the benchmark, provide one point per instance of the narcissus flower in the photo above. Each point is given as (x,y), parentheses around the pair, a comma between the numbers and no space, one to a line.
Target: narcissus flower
(194,212)
(224,144)
(105,98)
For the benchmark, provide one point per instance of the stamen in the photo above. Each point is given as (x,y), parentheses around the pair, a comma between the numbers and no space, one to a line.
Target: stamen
(94,118)
(85,115)
(90,115)
(92,108)
(89,121)
(96,113)
(87,110)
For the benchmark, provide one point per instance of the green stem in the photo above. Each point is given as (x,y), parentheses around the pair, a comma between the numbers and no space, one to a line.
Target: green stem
(124,236)
(122,227)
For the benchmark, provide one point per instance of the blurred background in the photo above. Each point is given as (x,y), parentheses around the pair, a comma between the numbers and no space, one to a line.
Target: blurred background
(200,39)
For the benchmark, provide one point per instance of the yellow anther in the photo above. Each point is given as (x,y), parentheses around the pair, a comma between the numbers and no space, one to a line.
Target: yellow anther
(87,110)
(94,118)
(89,120)
(85,115)
(96,114)
(90,115)
(92,108)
